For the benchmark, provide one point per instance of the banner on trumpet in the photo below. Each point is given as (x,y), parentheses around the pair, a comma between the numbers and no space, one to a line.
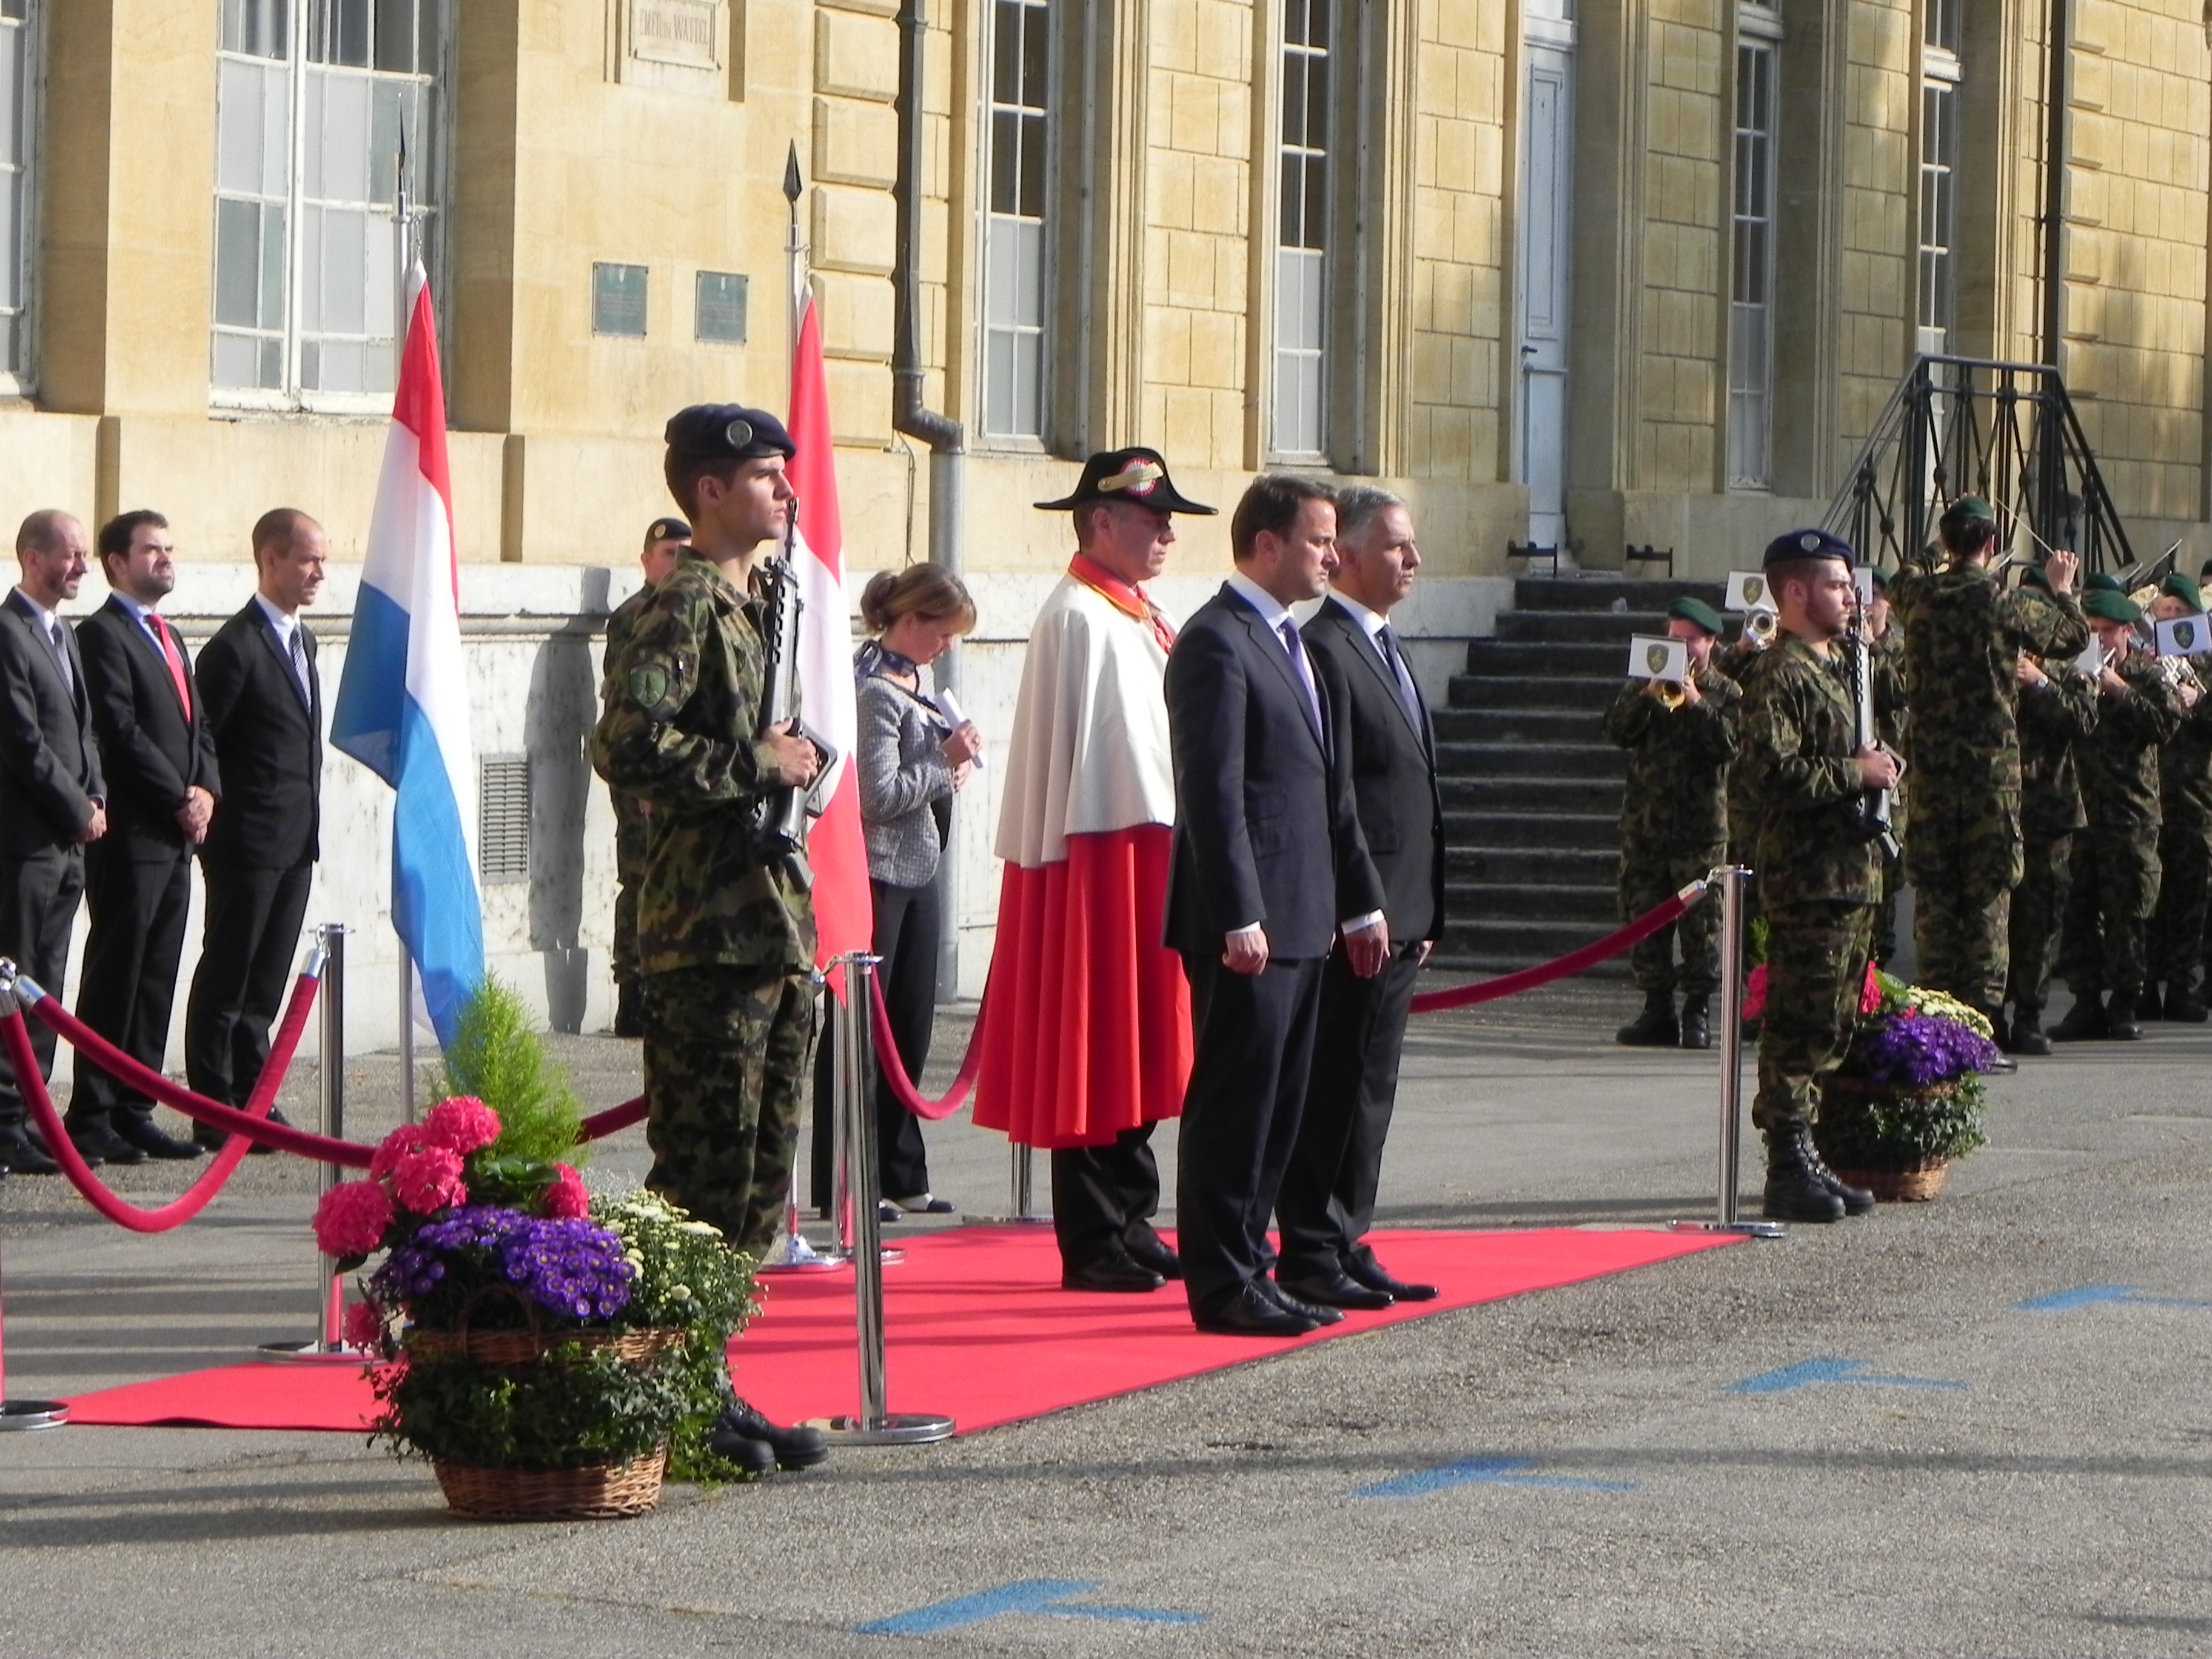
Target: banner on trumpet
(1654,657)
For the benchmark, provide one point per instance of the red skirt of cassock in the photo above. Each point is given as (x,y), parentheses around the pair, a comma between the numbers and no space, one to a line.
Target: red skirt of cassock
(1086,1022)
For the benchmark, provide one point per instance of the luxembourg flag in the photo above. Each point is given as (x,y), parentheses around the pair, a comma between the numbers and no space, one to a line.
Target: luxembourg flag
(844,913)
(403,706)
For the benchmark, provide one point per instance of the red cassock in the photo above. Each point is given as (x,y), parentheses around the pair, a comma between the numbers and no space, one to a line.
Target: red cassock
(1086,1022)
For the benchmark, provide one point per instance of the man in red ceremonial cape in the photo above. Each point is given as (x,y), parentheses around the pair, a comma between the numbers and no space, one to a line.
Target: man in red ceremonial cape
(1086,1025)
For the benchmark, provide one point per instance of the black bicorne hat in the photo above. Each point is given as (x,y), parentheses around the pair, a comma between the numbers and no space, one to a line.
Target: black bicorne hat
(1137,474)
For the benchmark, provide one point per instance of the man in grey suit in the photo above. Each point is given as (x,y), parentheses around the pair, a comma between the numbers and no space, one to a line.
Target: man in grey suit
(52,798)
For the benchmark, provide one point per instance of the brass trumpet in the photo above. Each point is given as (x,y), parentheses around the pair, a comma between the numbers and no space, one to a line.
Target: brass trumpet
(1760,627)
(1670,694)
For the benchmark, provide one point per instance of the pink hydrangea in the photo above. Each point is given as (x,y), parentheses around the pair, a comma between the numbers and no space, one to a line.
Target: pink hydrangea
(364,1326)
(1754,994)
(407,1137)
(566,1199)
(1870,992)
(462,1123)
(428,1179)
(352,1217)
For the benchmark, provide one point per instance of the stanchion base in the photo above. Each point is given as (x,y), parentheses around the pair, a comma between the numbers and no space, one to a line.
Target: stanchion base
(26,1414)
(1010,1220)
(310,1353)
(796,1255)
(892,1428)
(1733,1229)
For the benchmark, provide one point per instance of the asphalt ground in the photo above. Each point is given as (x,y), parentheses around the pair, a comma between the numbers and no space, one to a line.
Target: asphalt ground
(1921,1463)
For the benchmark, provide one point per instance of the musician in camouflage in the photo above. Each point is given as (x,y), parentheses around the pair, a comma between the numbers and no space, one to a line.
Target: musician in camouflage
(725,939)
(1964,635)
(1890,705)
(1673,827)
(2184,836)
(1818,868)
(2115,869)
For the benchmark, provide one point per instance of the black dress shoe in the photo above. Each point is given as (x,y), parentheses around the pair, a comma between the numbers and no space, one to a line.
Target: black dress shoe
(1251,1312)
(214,1141)
(1333,1291)
(21,1152)
(150,1138)
(1289,1303)
(97,1140)
(1113,1274)
(1151,1252)
(795,1448)
(1364,1269)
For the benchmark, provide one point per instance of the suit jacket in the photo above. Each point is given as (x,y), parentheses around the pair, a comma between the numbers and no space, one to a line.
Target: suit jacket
(49,773)
(151,750)
(268,742)
(1265,827)
(1393,766)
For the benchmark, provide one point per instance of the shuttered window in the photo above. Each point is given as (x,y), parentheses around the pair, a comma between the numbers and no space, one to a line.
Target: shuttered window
(503,818)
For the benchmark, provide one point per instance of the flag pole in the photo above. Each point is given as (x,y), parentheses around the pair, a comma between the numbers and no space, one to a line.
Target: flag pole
(404,223)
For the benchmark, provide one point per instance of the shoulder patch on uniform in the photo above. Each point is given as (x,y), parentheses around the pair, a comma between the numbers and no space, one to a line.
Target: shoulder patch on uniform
(648,685)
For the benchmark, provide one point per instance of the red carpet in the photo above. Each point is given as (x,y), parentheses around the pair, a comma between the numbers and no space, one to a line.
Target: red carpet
(977,1328)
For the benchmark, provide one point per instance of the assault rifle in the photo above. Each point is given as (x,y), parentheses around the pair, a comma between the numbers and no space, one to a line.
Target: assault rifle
(778,820)
(1870,808)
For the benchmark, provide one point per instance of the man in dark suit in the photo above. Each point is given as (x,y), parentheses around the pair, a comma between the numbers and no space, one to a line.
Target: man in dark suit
(1268,865)
(52,798)
(159,760)
(263,701)
(1327,1201)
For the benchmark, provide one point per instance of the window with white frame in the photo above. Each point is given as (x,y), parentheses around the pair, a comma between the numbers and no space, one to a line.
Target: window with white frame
(314,98)
(1940,74)
(1751,310)
(19,83)
(1014,223)
(1302,237)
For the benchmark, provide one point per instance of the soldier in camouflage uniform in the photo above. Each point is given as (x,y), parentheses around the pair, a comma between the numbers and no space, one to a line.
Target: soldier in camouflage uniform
(1890,704)
(2184,836)
(1674,828)
(664,542)
(2058,707)
(1819,873)
(2115,863)
(1964,635)
(726,940)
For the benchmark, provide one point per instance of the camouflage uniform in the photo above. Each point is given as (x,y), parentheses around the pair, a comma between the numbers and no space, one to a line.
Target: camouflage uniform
(1964,635)
(726,943)
(2184,844)
(630,810)
(2115,869)
(2053,717)
(1743,665)
(1674,823)
(1819,875)
(1890,704)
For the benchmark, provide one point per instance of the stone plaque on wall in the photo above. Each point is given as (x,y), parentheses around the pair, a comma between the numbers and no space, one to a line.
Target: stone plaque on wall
(679,45)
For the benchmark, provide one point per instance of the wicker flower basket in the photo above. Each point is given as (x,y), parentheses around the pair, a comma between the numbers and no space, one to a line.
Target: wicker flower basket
(1899,1180)
(602,1493)
(1917,1185)
(525,1347)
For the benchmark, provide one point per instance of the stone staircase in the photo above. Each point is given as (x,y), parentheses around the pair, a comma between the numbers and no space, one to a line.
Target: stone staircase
(1532,790)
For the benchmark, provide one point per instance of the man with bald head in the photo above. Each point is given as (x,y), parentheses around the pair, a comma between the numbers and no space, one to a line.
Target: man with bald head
(53,800)
(263,701)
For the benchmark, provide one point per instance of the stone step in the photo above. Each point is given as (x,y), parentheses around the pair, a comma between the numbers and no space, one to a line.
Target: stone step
(1566,831)
(1594,796)
(1578,627)
(1516,726)
(1587,694)
(1532,760)
(1524,901)
(1598,593)
(1548,659)
(1500,946)
(1552,866)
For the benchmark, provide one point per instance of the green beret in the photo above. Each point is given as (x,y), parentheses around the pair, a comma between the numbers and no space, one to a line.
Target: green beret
(2101,582)
(1880,579)
(1697,612)
(1973,508)
(2108,604)
(2183,589)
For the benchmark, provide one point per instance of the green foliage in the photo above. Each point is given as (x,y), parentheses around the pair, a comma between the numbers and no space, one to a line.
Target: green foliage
(1758,930)
(497,1056)
(574,1408)
(1896,1129)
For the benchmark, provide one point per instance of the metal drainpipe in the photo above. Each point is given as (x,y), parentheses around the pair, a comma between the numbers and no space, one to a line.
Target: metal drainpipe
(946,441)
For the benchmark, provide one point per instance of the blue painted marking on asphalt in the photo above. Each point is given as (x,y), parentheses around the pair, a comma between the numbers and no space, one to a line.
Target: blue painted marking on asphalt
(1494,1471)
(1052,1597)
(1810,1371)
(2088,1296)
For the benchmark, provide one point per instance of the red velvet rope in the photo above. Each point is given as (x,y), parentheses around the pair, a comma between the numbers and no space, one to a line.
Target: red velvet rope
(903,1087)
(194,1198)
(1575,961)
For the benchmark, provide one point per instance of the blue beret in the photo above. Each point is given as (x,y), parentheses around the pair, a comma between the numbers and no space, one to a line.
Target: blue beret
(727,432)
(1795,545)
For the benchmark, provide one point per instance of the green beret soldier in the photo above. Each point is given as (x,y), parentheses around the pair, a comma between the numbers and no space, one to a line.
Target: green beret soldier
(1964,635)
(2057,709)
(2184,837)
(2102,953)
(1673,827)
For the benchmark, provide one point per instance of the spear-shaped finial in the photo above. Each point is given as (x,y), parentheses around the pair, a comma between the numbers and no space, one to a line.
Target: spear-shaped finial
(791,185)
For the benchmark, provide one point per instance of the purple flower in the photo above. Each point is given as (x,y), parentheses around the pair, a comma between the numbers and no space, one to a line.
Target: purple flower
(570,1268)
(1917,1052)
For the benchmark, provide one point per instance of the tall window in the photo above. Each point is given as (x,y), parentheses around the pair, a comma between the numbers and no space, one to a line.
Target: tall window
(1302,241)
(18,88)
(1939,164)
(1014,228)
(1751,313)
(312,101)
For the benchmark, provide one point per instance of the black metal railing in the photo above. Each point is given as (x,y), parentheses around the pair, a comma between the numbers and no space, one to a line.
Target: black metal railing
(1967,425)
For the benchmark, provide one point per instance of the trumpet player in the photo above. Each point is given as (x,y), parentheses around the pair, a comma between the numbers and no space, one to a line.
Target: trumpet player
(2115,869)
(2184,836)
(1673,827)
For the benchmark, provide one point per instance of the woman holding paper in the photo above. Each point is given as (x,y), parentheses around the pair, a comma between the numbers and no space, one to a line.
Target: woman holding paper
(912,754)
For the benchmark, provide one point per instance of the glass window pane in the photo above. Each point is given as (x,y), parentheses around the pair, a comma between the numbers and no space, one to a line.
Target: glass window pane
(1031,203)
(236,357)
(1037,47)
(1006,161)
(343,251)
(395,36)
(1028,275)
(341,137)
(237,263)
(274,265)
(1005,51)
(239,129)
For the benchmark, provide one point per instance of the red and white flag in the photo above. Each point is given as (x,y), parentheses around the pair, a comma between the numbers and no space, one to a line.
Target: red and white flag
(844,915)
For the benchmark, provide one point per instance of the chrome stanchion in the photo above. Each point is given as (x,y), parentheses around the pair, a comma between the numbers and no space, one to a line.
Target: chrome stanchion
(875,1424)
(329,1345)
(791,1253)
(20,1414)
(1731,879)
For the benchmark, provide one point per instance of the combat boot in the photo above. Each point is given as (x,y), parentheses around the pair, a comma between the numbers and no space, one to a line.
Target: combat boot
(1696,1022)
(1655,1027)
(1795,1191)
(2000,1033)
(1856,1201)
(2120,1020)
(2027,1036)
(2184,1003)
(2084,1021)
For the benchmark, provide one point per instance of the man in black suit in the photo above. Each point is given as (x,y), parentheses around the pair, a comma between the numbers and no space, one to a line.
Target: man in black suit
(1268,866)
(263,701)
(159,760)
(52,798)
(1327,1201)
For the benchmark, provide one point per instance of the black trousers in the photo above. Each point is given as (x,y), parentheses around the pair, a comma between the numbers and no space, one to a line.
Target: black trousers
(1327,1201)
(38,907)
(129,984)
(1104,1198)
(909,928)
(252,941)
(1254,1036)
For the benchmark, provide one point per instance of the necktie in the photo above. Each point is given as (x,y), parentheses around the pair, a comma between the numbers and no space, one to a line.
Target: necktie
(61,655)
(298,648)
(1305,676)
(174,658)
(1408,695)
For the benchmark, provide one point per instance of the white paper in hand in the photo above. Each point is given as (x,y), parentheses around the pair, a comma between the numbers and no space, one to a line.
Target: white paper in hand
(1653,657)
(1747,590)
(2091,663)
(949,706)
